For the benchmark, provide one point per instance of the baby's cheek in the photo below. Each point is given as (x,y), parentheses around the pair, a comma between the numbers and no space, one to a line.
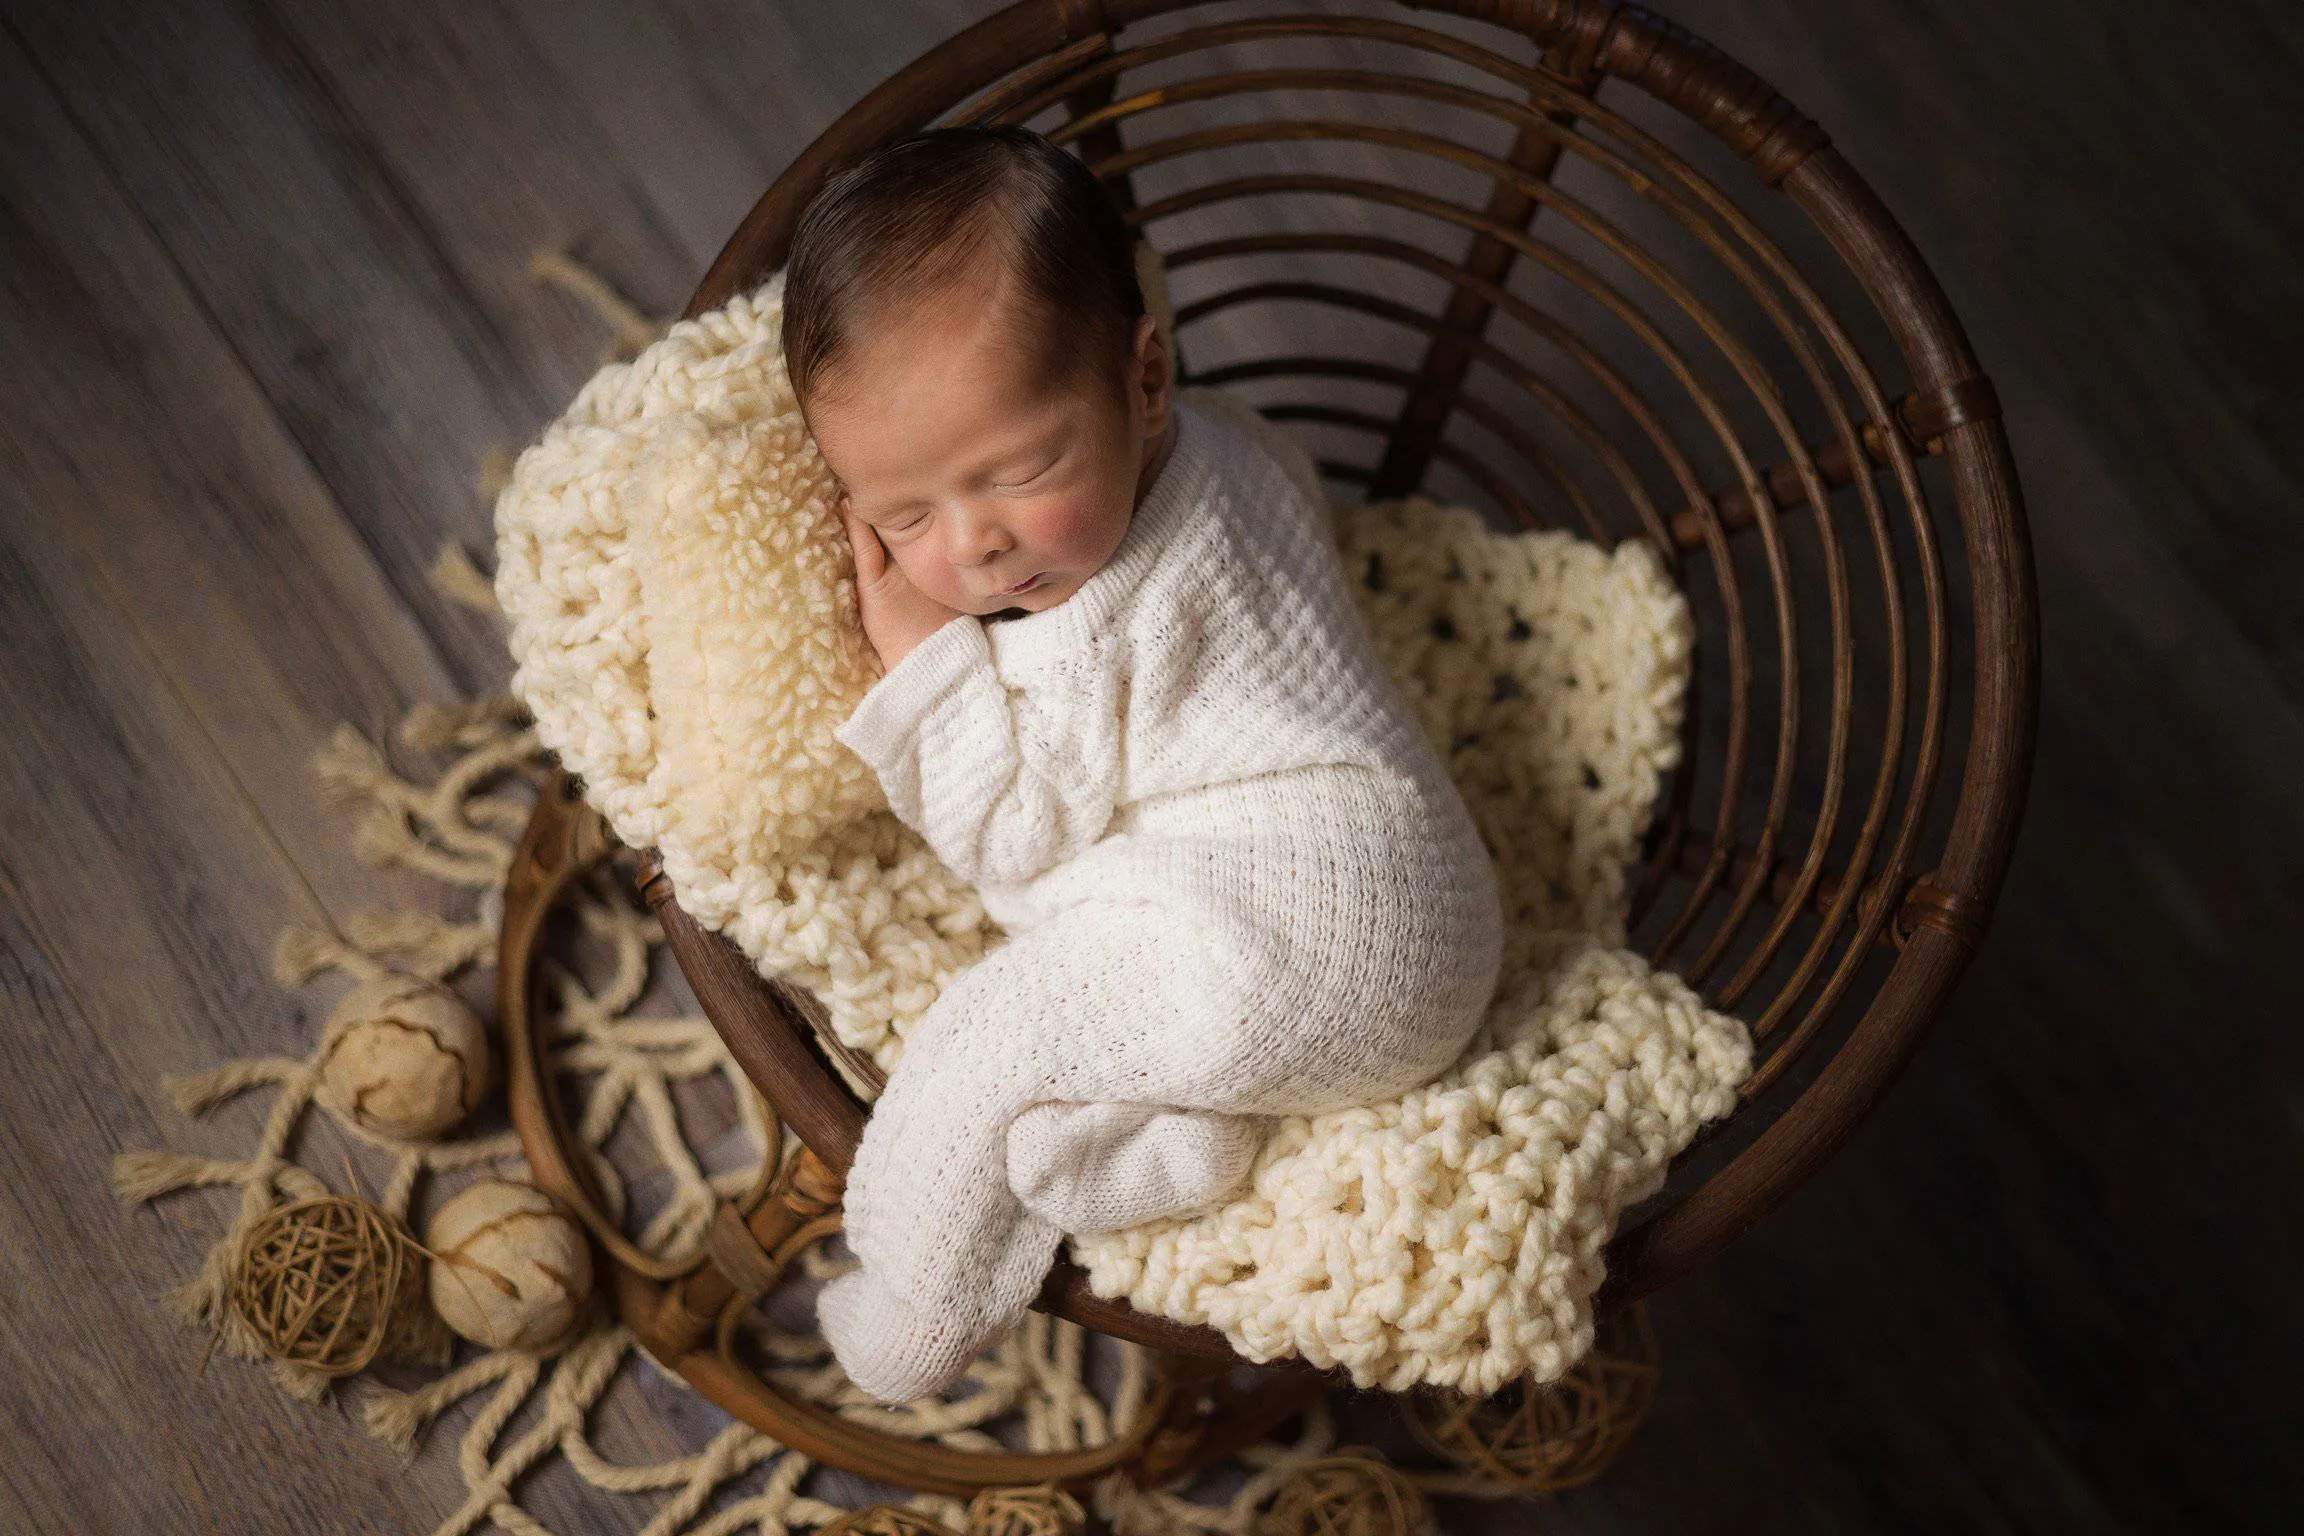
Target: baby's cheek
(1070,531)
(931,573)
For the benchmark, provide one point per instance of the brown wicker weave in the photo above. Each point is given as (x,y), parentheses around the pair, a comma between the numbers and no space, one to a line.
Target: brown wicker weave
(1694,352)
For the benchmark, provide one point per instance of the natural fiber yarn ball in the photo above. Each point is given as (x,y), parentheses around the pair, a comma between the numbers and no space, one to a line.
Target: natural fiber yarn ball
(511,1269)
(1040,1510)
(412,1060)
(884,1520)
(1354,1492)
(326,1282)
(1542,1439)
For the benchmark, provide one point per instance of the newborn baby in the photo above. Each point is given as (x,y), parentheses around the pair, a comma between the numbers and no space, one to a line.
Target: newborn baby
(1126,695)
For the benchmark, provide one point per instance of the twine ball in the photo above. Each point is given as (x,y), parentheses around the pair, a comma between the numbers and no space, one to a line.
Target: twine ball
(326,1282)
(884,1520)
(1041,1510)
(411,1062)
(1543,1439)
(1353,1492)
(510,1268)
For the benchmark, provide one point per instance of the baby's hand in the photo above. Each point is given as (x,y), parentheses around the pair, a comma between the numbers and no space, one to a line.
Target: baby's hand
(897,615)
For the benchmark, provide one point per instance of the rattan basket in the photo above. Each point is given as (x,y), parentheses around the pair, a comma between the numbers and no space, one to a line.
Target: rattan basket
(1563,261)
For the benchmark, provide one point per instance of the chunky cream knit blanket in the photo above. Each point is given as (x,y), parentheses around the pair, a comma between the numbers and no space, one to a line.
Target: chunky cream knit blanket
(672,573)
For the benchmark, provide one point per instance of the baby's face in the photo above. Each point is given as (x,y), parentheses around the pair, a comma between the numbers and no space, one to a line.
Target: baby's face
(977,473)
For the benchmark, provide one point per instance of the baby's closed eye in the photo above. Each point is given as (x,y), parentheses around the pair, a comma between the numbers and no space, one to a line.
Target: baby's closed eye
(1033,478)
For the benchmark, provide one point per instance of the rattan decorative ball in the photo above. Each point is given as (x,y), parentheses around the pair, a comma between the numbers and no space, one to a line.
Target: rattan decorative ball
(1040,1510)
(412,1060)
(327,1282)
(884,1520)
(511,1269)
(1542,1439)
(1353,1492)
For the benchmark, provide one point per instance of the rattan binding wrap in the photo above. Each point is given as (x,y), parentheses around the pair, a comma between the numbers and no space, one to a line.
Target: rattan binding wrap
(1685,373)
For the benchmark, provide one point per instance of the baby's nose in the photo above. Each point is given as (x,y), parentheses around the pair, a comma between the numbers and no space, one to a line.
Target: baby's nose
(976,541)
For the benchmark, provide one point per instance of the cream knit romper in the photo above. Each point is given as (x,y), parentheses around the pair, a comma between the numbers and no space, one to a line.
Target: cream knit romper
(1236,880)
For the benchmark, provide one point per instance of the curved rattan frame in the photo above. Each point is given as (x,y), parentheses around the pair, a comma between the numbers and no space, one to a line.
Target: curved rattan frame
(1036,55)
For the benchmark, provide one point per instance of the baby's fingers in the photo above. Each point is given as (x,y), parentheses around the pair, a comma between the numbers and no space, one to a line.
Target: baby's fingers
(864,543)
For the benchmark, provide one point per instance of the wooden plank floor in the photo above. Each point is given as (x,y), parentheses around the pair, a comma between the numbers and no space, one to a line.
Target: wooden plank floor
(264,305)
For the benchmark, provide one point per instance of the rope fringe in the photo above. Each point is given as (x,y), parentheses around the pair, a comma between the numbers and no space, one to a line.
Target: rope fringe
(456,820)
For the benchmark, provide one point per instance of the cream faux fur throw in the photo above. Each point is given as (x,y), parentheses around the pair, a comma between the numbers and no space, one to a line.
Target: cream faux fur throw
(682,608)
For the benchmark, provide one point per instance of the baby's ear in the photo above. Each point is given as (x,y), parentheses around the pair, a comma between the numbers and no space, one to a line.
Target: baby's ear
(1148,330)
(1151,341)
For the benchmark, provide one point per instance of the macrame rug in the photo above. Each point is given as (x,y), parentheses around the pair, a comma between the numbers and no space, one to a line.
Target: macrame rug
(1561,787)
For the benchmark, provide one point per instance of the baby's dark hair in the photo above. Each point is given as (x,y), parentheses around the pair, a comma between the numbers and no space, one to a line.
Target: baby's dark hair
(909,216)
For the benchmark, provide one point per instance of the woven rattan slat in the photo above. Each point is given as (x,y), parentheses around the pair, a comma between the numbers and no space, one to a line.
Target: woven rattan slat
(1814,866)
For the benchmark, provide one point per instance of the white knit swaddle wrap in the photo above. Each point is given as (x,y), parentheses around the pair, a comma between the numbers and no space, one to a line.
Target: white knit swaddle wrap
(683,627)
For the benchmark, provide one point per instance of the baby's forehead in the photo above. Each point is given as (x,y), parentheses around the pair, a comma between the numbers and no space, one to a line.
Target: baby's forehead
(990,284)
(947,356)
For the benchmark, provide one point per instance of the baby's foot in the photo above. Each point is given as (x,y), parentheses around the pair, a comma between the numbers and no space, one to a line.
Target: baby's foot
(1096,1167)
(887,1345)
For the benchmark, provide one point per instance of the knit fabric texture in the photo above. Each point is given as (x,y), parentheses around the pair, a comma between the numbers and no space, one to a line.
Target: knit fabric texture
(1235,874)
(683,628)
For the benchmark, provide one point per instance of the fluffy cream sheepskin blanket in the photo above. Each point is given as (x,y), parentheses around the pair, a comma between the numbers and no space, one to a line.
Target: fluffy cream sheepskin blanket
(683,623)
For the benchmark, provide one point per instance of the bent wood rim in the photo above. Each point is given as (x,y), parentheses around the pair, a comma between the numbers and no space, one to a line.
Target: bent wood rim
(1793,155)
(682,1310)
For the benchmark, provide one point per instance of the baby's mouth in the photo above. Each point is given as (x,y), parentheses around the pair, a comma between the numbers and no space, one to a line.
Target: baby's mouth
(1026,585)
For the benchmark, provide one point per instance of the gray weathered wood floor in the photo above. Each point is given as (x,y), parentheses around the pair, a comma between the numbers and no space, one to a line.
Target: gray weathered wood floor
(263,306)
